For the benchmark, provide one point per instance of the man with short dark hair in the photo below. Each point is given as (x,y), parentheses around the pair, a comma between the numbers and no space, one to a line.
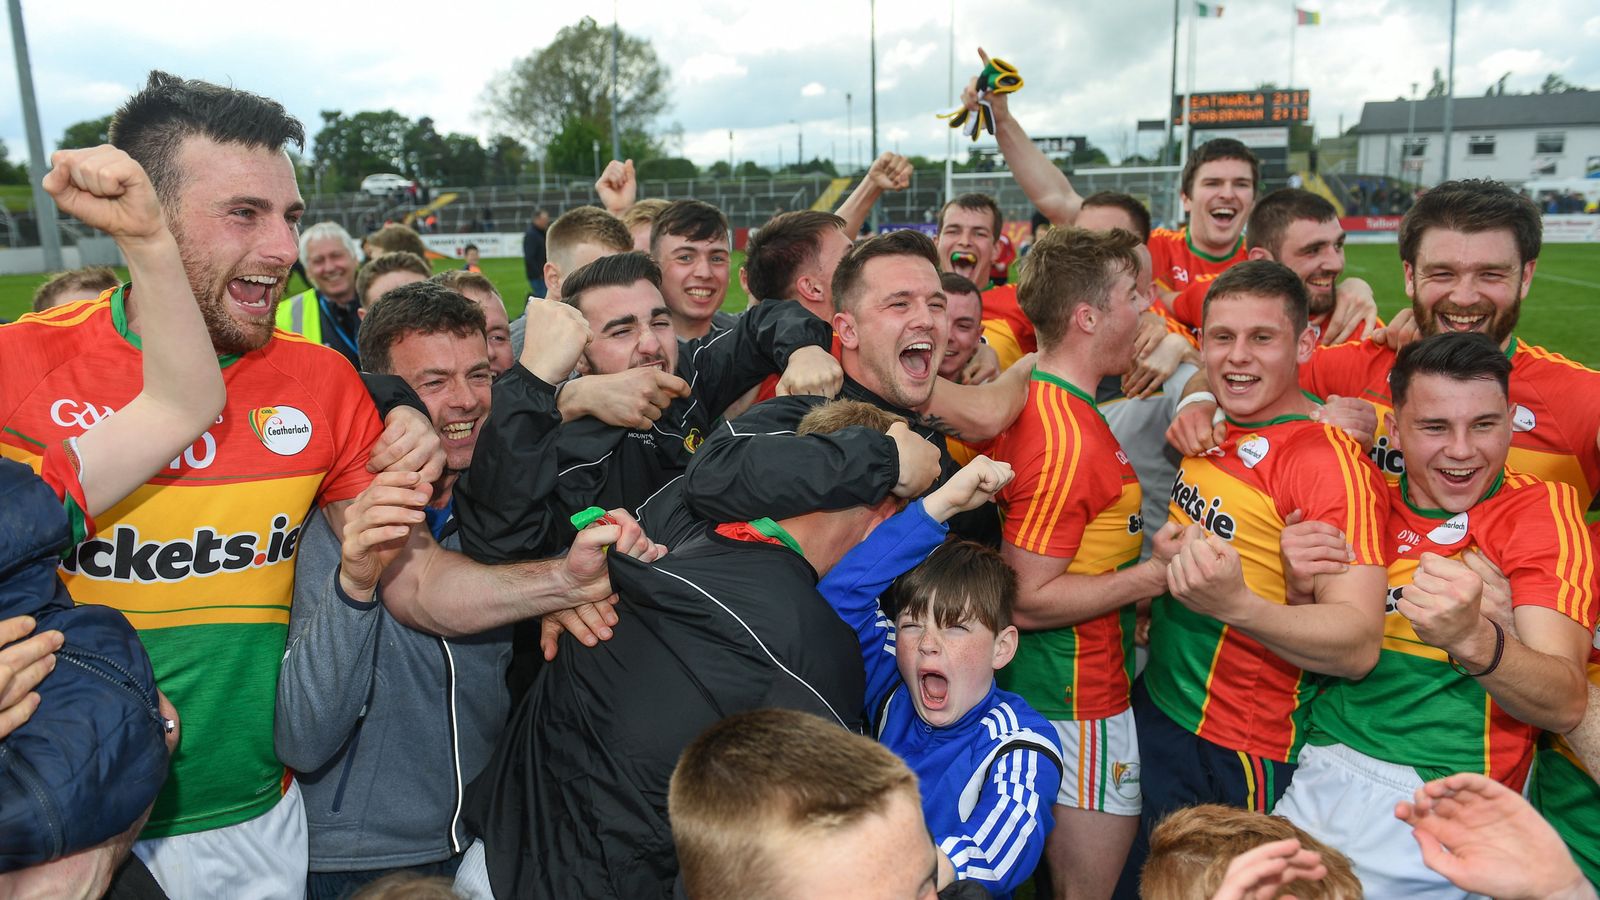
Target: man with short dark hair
(1234,651)
(469,258)
(793,257)
(964,307)
(1461,685)
(691,243)
(386,272)
(480,290)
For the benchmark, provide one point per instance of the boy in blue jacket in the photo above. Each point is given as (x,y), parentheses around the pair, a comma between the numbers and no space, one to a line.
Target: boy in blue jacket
(987,763)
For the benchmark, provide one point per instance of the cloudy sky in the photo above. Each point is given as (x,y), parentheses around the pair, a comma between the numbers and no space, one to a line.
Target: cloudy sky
(772,72)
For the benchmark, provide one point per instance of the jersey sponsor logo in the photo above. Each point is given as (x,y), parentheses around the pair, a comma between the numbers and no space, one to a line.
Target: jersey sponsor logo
(1180,275)
(282,429)
(1388,457)
(1253,449)
(78,414)
(1135,524)
(1207,512)
(122,556)
(1522,418)
(1451,531)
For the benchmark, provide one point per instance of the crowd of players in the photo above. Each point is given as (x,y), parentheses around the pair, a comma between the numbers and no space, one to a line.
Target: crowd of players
(894,584)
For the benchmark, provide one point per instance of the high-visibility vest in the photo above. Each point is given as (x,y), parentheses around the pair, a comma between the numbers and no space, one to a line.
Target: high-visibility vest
(302,315)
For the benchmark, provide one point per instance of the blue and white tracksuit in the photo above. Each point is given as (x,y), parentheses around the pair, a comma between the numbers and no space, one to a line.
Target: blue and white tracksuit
(988,780)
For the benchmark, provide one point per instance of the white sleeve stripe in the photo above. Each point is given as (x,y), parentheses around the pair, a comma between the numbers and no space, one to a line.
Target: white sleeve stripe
(1018,808)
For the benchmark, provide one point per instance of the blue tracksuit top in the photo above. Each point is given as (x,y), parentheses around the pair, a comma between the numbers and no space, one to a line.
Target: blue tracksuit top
(988,780)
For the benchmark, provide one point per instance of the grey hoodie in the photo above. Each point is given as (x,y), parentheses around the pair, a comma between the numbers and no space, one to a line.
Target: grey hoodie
(383,725)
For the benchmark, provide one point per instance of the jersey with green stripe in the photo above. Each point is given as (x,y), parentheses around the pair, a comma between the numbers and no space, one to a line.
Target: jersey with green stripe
(1414,709)
(1215,680)
(200,558)
(1564,792)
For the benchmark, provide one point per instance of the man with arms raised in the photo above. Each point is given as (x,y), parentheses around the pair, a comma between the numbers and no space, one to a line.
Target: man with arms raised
(1222,706)
(1455,690)
(327,313)
(1073,532)
(200,558)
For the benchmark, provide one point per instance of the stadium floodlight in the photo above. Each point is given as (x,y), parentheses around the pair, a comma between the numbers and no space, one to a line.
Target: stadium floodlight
(44,209)
(1449,94)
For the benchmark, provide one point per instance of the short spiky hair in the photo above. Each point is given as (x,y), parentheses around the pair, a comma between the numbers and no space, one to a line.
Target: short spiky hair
(1274,213)
(395,237)
(584,225)
(153,123)
(90,278)
(774,256)
(616,270)
(1263,278)
(760,780)
(1473,206)
(422,307)
(692,219)
(1462,356)
(905,242)
(1213,150)
(1068,267)
(459,280)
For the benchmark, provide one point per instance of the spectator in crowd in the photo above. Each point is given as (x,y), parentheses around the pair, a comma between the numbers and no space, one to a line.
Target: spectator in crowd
(387,271)
(640,218)
(327,313)
(692,244)
(581,236)
(965,311)
(778,803)
(73,285)
(1214,851)
(497,329)
(533,252)
(394,237)
(469,258)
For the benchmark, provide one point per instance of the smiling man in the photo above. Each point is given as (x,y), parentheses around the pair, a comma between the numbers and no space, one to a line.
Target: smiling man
(1460,686)
(1218,189)
(328,313)
(691,243)
(374,803)
(1234,654)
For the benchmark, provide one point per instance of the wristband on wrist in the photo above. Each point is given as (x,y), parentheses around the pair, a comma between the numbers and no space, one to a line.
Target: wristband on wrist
(1196,397)
(1494,662)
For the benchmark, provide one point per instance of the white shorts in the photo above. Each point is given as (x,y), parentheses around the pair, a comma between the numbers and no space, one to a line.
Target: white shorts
(472,876)
(1346,800)
(1101,762)
(264,858)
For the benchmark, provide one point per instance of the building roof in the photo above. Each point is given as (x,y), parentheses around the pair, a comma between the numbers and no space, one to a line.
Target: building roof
(1478,113)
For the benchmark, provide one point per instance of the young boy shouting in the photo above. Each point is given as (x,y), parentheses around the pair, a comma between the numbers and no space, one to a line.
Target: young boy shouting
(987,763)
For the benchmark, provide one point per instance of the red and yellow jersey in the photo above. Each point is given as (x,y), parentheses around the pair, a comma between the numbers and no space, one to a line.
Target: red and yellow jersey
(1413,709)
(1555,414)
(1074,496)
(1217,682)
(201,558)
(1006,328)
(1178,264)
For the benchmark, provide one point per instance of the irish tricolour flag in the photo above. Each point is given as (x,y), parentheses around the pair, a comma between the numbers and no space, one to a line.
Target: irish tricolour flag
(1208,10)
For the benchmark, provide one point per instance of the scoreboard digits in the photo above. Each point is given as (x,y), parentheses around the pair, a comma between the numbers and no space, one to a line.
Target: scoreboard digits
(1243,109)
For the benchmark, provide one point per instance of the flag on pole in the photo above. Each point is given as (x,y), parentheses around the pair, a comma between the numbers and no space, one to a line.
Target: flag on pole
(1208,10)
(1304,17)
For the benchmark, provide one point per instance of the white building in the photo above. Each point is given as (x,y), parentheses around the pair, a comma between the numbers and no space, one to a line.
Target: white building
(1513,138)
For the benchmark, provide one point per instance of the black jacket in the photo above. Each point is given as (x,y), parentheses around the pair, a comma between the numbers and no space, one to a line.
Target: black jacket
(528,475)
(574,802)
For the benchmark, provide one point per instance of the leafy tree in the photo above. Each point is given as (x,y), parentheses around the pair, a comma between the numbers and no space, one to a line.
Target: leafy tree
(88,133)
(367,143)
(11,173)
(748,169)
(570,80)
(506,159)
(719,169)
(571,150)
(668,167)
(1554,83)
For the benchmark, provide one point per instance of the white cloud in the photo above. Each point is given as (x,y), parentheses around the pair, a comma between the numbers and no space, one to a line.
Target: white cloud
(814,89)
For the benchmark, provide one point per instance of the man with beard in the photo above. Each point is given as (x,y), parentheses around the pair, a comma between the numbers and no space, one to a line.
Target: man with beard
(200,558)
(328,313)
(1469,249)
